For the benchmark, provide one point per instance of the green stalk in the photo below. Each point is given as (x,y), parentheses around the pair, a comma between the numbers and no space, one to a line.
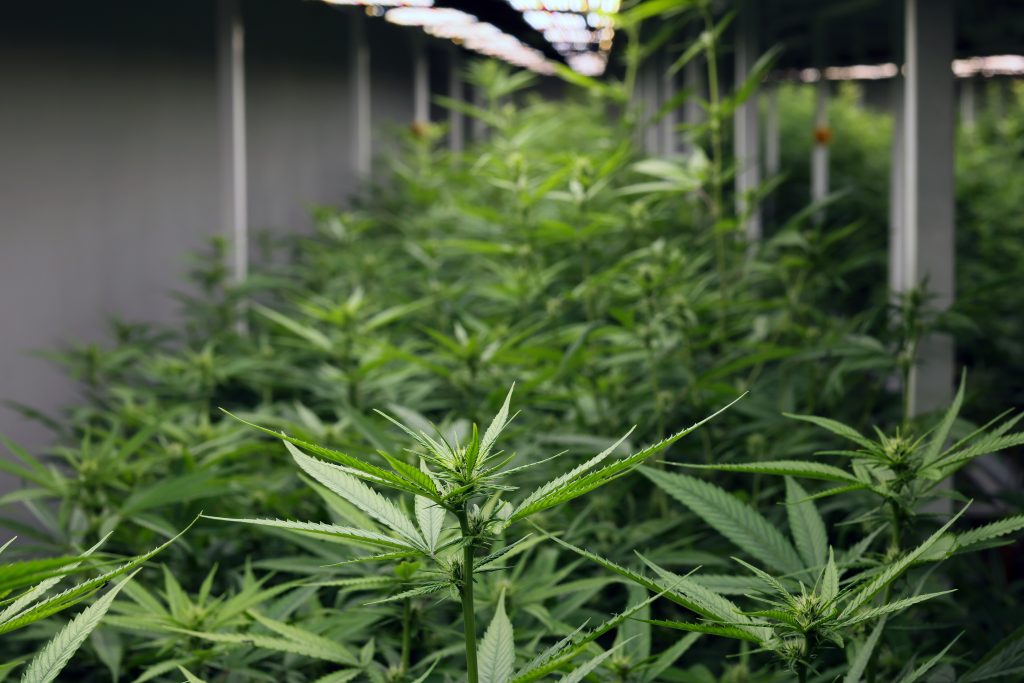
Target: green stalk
(468,613)
(715,122)
(406,634)
(801,672)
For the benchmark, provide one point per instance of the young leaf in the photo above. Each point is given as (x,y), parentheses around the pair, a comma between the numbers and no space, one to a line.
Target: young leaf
(58,652)
(806,525)
(735,520)
(1005,659)
(865,593)
(919,672)
(329,530)
(935,446)
(338,480)
(795,468)
(499,423)
(430,517)
(574,483)
(497,649)
(836,427)
(864,654)
(579,674)
(990,532)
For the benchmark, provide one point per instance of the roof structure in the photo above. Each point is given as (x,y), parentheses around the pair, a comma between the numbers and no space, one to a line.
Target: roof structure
(852,32)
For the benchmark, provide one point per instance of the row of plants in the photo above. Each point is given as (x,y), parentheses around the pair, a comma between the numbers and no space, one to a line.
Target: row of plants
(802,530)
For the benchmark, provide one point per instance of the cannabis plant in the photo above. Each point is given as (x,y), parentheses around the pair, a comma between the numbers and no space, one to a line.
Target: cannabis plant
(26,597)
(902,471)
(469,482)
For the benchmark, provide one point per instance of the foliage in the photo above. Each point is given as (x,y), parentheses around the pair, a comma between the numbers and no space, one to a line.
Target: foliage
(617,293)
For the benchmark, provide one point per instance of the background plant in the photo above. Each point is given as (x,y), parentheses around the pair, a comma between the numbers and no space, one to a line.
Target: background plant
(615,290)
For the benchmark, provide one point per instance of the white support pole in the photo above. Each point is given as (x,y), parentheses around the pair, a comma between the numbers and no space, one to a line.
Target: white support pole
(456,121)
(477,128)
(669,136)
(897,190)
(968,104)
(420,81)
(819,152)
(928,156)
(693,113)
(772,151)
(745,124)
(231,85)
(650,108)
(362,131)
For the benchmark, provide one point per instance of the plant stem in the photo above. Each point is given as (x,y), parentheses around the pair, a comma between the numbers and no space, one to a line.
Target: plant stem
(406,634)
(801,672)
(468,613)
(715,123)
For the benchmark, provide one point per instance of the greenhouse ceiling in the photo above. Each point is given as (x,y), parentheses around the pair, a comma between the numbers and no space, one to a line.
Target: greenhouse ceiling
(855,32)
(532,34)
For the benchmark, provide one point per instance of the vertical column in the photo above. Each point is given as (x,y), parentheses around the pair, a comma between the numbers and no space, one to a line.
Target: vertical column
(649,102)
(772,153)
(456,121)
(819,152)
(231,86)
(361,97)
(693,82)
(928,151)
(772,150)
(968,104)
(746,147)
(420,80)
(669,135)
(897,191)
(477,128)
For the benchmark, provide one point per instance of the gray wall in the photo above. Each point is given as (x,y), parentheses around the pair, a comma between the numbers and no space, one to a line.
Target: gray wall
(110,168)
(108,173)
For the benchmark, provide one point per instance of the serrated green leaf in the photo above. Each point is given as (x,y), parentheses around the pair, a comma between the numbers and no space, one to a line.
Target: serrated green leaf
(301,635)
(806,526)
(1005,659)
(338,480)
(795,468)
(890,608)
(55,655)
(864,594)
(497,649)
(921,671)
(328,530)
(735,520)
(836,427)
(860,663)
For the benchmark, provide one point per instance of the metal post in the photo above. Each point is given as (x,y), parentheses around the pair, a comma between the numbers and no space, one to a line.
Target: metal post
(456,121)
(819,153)
(745,124)
(669,136)
(477,128)
(231,85)
(928,155)
(772,152)
(650,108)
(361,97)
(968,104)
(420,81)
(897,191)
(693,113)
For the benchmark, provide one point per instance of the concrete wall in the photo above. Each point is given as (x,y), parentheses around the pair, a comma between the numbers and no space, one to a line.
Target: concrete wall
(110,168)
